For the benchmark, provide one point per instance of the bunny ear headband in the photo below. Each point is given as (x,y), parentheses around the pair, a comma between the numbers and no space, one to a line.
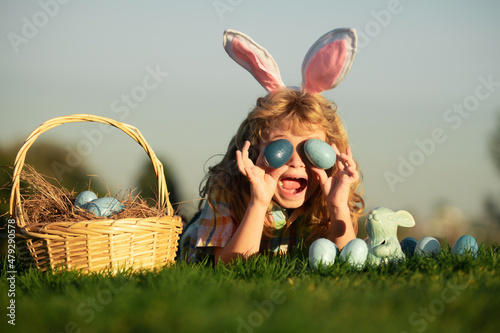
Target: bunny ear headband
(325,65)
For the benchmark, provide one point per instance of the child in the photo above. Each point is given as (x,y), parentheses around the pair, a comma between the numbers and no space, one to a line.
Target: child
(251,208)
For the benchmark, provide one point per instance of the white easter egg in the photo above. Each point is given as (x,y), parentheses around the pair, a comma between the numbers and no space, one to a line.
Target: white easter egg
(465,245)
(428,245)
(322,253)
(355,252)
(84,197)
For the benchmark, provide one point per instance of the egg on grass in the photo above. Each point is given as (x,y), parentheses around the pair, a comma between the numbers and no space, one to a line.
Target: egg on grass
(465,245)
(355,253)
(428,245)
(322,253)
(408,245)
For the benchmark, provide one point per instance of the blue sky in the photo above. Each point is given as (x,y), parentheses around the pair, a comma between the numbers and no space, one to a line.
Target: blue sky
(419,103)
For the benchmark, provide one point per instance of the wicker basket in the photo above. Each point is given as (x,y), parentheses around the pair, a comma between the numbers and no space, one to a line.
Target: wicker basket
(100,244)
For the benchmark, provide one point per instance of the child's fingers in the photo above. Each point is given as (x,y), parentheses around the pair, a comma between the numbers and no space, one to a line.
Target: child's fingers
(276,173)
(260,161)
(340,164)
(321,174)
(349,151)
(242,158)
(240,163)
(244,150)
(348,160)
(334,146)
(350,165)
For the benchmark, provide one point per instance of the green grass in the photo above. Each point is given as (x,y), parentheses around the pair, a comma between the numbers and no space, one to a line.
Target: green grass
(421,294)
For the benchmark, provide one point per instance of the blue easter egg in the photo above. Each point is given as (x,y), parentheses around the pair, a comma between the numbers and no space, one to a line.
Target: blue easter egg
(408,245)
(465,245)
(93,208)
(320,153)
(322,253)
(355,252)
(104,207)
(277,153)
(84,197)
(428,245)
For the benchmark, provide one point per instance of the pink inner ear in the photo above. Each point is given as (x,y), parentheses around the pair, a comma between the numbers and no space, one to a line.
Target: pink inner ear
(325,66)
(259,70)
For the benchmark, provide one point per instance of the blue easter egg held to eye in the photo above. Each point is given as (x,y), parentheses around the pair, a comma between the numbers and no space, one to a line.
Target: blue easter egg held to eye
(322,253)
(320,153)
(104,207)
(408,245)
(84,197)
(277,153)
(465,245)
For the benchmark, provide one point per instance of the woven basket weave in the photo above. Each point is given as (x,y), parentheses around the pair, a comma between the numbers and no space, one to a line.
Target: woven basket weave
(99,244)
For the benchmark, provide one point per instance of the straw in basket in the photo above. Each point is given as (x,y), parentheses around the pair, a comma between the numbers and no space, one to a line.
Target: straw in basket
(99,244)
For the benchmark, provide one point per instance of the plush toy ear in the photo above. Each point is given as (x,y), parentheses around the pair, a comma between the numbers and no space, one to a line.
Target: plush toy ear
(404,218)
(254,58)
(329,60)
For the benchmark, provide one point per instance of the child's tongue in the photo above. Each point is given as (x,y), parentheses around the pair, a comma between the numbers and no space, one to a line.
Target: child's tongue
(291,183)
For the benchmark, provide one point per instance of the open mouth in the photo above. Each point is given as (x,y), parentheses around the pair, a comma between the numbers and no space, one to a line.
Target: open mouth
(293,185)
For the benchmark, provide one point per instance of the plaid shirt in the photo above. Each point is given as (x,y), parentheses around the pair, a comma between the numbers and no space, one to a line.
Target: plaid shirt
(215,228)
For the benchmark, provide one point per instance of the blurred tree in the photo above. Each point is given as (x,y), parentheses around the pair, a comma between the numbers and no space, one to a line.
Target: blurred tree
(492,204)
(47,158)
(494,145)
(148,183)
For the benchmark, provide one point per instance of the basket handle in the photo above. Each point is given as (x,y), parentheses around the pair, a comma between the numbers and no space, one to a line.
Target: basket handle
(15,196)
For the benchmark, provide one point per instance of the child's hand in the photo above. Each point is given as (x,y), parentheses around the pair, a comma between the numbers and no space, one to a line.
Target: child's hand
(337,188)
(263,181)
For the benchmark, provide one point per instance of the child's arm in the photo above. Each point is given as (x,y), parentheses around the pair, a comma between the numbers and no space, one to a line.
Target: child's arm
(246,240)
(337,190)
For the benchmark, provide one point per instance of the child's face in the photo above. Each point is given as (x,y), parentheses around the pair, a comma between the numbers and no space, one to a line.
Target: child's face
(299,182)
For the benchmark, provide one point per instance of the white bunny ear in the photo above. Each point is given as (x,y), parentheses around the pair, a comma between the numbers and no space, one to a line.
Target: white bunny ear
(254,58)
(404,219)
(329,60)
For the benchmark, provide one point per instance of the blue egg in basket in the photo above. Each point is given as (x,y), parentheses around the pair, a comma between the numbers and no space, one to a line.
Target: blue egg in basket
(104,207)
(84,197)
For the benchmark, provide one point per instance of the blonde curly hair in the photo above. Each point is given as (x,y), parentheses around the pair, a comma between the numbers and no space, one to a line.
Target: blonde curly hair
(292,110)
